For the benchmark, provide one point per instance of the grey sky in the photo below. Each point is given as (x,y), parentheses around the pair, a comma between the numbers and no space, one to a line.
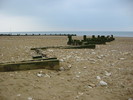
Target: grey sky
(66,15)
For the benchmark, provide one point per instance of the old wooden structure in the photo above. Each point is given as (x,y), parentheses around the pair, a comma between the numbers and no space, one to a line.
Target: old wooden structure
(90,41)
(49,63)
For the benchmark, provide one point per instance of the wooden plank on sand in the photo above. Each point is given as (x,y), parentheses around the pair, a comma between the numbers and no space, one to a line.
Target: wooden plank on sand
(50,63)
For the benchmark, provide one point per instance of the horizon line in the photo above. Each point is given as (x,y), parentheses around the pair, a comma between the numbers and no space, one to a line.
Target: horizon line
(66,31)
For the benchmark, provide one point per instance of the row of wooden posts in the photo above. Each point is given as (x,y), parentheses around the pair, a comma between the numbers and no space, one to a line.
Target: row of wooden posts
(38,35)
(93,40)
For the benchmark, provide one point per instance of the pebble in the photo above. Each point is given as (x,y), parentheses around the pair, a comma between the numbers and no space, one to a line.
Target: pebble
(39,75)
(102,55)
(107,73)
(77,97)
(30,98)
(93,62)
(15,72)
(50,50)
(69,66)
(46,75)
(113,50)
(28,72)
(102,83)
(99,57)
(91,85)
(130,98)
(112,64)
(77,76)
(68,57)
(78,60)
(98,77)
(18,95)
(80,93)
(11,75)
(61,60)
(62,78)
(85,67)
(93,53)
(126,53)
(62,69)
(121,58)
(41,71)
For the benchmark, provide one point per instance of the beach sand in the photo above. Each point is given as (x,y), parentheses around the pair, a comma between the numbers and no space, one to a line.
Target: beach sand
(104,73)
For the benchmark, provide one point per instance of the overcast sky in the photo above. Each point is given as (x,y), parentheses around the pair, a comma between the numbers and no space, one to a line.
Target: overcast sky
(66,15)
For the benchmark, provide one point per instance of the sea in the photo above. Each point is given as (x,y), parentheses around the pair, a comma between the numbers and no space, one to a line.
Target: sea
(78,33)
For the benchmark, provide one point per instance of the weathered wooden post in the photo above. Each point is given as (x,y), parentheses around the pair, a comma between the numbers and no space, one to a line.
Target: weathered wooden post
(112,38)
(69,40)
(84,37)
(93,36)
(98,36)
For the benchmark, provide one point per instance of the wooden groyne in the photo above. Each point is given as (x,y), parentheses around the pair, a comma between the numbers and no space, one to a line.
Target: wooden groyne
(37,34)
(91,46)
(87,41)
(49,63)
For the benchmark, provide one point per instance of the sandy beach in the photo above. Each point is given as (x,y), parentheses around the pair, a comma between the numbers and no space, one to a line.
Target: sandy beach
(104,73)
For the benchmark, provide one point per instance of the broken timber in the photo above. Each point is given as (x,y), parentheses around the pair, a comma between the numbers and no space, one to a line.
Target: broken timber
(49,63)
(91,46)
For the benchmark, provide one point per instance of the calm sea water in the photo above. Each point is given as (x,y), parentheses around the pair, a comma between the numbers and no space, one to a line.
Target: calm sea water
(80,33)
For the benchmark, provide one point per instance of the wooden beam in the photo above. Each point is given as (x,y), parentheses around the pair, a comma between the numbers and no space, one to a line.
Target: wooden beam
(50,63)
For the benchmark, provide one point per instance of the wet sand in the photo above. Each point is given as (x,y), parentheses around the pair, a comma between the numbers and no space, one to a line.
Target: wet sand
(82,75)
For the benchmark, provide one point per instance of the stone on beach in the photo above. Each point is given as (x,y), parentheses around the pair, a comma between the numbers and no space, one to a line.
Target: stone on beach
(121,58)
(130,98)
(98,77)
(62,69)
(46,75)
(61,60)
(50,50)
(91,85)
(103,83)
(107,73)
(30,98)
(77,76)
(85,67)
(93,53)
(69,66)
(18,95)
(99,57)
(40,75)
